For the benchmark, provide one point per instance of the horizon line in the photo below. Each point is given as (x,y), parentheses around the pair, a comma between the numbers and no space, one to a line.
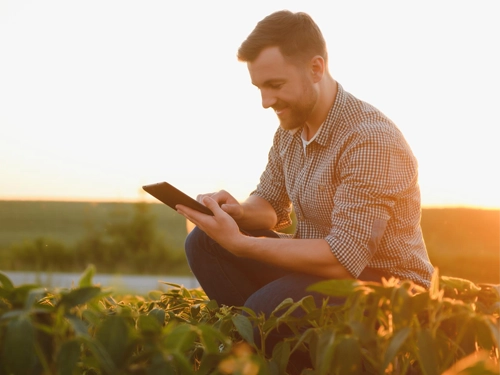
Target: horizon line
(152,200)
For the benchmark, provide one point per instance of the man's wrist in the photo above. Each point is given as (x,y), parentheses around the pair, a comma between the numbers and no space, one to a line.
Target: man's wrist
(245,245)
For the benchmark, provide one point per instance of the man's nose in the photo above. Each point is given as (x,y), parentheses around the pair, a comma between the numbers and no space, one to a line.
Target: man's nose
(268,99)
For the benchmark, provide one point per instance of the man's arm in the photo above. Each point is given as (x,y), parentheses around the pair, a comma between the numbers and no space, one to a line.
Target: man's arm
(257,214)
(311,256)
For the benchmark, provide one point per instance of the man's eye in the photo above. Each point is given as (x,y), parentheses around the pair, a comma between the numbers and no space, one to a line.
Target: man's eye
(276,86)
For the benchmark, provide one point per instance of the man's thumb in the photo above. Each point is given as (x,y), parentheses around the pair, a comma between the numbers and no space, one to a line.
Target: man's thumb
(231,209)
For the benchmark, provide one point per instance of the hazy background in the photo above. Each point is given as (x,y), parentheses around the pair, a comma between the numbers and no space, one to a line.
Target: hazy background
(98,98)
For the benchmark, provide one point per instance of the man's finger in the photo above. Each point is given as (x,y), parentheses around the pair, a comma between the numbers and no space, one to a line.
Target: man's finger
(211,204)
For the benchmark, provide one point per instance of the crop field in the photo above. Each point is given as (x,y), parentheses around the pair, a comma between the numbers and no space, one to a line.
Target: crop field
(461,242)
(450,329)
(70,221)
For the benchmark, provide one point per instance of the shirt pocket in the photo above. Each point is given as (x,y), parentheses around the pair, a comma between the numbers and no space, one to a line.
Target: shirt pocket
(319,203)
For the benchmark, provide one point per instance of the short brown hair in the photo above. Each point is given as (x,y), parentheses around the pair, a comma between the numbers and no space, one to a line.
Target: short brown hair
(296,34)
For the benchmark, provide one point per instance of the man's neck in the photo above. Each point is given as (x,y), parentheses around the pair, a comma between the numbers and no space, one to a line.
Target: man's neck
(327,95)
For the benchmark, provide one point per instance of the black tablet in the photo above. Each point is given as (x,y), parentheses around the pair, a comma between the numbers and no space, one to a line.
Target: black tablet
(172,196)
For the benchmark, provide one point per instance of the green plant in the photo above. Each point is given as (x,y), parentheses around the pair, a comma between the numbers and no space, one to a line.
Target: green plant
(389,328)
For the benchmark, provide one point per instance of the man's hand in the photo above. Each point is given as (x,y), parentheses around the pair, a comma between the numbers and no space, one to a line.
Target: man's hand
(221,227)
(226,202)
(254,213)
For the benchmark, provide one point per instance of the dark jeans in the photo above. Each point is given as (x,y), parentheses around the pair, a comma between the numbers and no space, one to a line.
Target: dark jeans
(235,281)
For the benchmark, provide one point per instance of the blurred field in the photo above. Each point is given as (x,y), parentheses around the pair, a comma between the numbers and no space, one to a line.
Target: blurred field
(68,222)
(118,238)
(464,242)
(461,242)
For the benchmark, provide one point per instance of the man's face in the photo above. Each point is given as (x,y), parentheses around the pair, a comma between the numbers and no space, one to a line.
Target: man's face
(285,87)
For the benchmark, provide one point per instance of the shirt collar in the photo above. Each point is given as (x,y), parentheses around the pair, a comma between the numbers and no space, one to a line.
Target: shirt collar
(332,119)
(325,131)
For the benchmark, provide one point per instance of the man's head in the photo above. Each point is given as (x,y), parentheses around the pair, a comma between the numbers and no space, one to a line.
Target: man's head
(286,58)
(295,34)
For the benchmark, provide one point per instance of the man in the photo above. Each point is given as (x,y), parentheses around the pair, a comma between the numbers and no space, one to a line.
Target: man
(344,167)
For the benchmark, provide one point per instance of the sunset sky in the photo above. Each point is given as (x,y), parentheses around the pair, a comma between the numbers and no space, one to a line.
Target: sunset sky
(98,98)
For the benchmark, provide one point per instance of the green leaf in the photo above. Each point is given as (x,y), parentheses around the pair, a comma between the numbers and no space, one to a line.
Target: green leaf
(485,338)
(212,305)
(434,291)
(87,277)
(284,304)
(100,354)
(270,324)
(396,343)
(78,325)
(401,306)
(160,366)
(159,315)
(244,328)
(181,338)
(495,331)
(79,296)
(5,293)
(182,364)
(225,325)
(288,312)
(420,302)
(462,286)
(211,338)
(208,363)
(18,354)
(68,357)
(114,337)
(281,355)
(325,351)
(91,316)
(478,363)
(19,295)
(348,356)
(249,312)
(364,331)
(335,288)
(12,314)
(34,295)
(5,281)
(426,353)
(147,323)
(308,304)
(308,337)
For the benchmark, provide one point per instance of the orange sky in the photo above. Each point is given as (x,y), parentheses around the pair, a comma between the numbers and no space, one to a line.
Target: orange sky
(100,98)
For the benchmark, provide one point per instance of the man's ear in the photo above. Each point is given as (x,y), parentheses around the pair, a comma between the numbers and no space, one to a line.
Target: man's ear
(317,66)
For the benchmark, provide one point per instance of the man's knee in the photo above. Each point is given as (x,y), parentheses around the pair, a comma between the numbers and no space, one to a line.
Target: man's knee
(255,303)
(262,303)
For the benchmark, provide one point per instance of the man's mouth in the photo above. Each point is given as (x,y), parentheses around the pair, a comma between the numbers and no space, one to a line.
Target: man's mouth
(279,111)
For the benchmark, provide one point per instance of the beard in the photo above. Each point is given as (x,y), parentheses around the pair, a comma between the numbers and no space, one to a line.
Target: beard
(295,114)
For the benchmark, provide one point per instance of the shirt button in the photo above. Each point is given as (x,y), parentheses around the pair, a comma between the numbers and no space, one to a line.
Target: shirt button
(321,187)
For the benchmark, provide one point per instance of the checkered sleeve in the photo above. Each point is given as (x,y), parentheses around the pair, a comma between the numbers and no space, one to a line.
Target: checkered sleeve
(376,168)
(272,185)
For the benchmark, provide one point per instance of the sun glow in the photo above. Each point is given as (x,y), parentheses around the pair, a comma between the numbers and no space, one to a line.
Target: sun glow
(94,113)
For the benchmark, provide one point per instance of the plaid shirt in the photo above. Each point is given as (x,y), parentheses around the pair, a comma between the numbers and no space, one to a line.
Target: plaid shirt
(355,185)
